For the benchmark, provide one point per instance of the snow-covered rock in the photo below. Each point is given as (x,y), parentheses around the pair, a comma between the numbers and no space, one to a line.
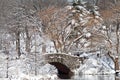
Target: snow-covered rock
(95,65)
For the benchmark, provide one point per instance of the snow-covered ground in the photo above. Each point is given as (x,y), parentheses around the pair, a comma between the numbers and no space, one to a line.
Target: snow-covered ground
(25,68)
(96,65)
(30,67)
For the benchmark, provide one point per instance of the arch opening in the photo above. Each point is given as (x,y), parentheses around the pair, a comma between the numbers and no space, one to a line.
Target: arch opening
(63,71)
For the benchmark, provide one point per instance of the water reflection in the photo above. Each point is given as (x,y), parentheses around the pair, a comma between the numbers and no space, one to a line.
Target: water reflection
(95,77)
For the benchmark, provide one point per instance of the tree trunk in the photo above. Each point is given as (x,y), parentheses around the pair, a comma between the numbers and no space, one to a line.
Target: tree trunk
(35,64)
(1,44)
(115,1)
(116,64)
(7,61)
(18,43)
(55,46)
(27,40)
(117,50)
(35,55)
(97,2)
(7,66)
(117,35)
(43,48)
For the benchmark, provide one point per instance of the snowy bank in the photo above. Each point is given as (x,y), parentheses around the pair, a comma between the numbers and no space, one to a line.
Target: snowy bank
(26,68)
(97,65)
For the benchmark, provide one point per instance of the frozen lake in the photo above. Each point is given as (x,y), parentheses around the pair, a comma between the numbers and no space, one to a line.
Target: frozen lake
(95,77)
(81,77)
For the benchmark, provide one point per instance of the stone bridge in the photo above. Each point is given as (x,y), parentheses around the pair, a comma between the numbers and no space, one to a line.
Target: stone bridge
(65,63)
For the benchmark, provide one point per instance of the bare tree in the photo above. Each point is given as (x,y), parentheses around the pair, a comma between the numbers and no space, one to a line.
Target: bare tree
(111,21)
(64,26)
(22,20)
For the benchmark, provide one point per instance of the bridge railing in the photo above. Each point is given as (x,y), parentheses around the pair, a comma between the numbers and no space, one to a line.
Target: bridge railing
(69,60)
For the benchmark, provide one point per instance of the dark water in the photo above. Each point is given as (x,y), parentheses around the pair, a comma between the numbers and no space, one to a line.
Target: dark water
(95,77)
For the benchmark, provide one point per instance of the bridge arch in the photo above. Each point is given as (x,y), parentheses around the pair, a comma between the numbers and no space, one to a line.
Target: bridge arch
(65,63)
(63,71)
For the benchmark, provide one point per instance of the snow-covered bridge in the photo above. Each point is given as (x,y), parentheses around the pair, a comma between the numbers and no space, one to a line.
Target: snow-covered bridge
(65,63)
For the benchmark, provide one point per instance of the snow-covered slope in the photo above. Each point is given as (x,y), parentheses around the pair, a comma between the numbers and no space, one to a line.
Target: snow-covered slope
(97,65)
(26,68)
